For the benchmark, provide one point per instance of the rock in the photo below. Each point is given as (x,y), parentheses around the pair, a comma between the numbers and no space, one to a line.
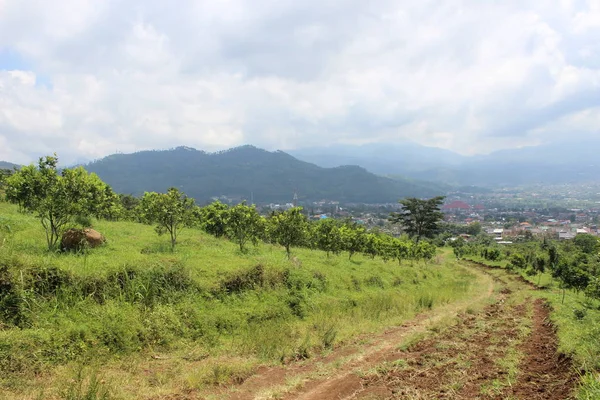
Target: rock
(76,239)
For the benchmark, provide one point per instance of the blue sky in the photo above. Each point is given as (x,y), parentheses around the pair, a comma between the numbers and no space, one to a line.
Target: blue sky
(88,78)
(11,60)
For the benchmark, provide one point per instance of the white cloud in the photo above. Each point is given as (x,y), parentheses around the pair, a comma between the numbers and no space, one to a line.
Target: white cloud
(136,74)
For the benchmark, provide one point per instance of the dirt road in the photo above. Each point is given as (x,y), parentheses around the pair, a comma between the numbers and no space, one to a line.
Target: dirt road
(499,345)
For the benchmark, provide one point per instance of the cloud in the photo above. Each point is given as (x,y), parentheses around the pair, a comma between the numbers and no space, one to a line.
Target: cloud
(95,77)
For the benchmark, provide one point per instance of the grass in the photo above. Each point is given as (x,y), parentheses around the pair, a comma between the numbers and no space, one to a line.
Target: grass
(153,321)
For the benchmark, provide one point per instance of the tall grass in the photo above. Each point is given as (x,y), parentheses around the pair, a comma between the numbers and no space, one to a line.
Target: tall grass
(134,296)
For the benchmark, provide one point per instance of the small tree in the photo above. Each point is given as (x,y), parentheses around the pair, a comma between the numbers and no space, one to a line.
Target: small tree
(587,243)
(371,247)
(57,198)
(214,218)
(288,228)
(402,249)
(353,238)
(327,235)
(593,288)
(170,211)
(419,218)
(244,224)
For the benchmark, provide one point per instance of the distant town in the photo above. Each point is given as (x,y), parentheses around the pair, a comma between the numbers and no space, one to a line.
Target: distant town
(509,215)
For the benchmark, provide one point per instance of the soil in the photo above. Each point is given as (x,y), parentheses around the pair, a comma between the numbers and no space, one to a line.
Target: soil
(506,350)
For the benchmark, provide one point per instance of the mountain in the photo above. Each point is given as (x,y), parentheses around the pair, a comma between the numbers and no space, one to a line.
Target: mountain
(563,162)
(381,158)
(249,173)
(7,165)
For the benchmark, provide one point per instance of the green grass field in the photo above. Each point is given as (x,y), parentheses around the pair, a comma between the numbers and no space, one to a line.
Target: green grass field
(134,320)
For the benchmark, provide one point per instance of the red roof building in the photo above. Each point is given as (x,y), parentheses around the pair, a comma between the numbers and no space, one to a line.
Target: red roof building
(456,206)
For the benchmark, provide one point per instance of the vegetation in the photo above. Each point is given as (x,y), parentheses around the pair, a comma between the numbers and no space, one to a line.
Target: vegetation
(244,224)
(569,273)
(217,310)
(196,309)
(246,172)
(419,218)
(288,228)
(57,198)
(171,212)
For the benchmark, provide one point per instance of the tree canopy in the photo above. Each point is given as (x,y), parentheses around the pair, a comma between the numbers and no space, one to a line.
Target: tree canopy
(419,218)
(56,198)
(288,228)
(170,211)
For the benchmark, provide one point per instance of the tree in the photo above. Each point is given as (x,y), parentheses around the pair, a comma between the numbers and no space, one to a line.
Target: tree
(4,174)
(402,249)
(587,243)
(129,206)
(244,224)
(57,198)
(593,288)
(288,228)
(371,244)
(170,211)
(214,218)
(353,238)
(474,228)
(327,236)
(419,218)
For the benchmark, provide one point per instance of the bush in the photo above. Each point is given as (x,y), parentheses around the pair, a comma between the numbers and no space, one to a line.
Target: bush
(244,280)
(11,301)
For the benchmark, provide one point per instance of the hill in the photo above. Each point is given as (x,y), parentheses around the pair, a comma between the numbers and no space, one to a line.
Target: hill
(562,162)
(381,158)
(7,165)
(249,173)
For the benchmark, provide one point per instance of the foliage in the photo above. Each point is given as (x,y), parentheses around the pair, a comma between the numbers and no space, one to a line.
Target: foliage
(418,217)
(327,236)
(214,218)
(244,224)
(353,238)
(170,211)
(587,243)
(288,228)
(119,304)
(271,176)
(56,198)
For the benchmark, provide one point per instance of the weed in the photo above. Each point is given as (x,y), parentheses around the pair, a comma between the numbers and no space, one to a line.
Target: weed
(375,281)
(83,387)
(424,302)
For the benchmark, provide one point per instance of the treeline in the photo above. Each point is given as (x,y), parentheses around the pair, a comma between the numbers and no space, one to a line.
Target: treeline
(575,263)
(172,211)
(61,198)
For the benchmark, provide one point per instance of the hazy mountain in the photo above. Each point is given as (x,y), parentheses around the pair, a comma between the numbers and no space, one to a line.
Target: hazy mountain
(573,161)
(8,165)
(381,158)
(248,172)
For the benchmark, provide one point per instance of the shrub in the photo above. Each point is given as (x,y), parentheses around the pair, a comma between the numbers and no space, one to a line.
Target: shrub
(241,281)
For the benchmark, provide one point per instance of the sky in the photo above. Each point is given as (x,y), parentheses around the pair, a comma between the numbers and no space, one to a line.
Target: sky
(88,78)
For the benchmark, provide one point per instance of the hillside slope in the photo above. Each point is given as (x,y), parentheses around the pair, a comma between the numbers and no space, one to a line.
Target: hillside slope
(248,172)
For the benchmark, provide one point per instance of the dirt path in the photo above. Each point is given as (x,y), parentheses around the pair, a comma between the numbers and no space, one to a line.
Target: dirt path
(506,350)
(334,376)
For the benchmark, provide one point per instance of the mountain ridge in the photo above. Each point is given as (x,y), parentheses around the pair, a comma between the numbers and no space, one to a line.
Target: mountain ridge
(247,172)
